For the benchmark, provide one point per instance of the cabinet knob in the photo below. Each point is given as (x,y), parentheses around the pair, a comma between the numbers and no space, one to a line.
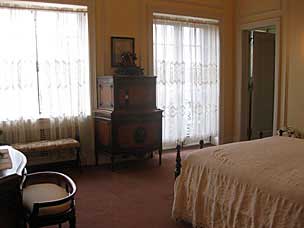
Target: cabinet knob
(127,97)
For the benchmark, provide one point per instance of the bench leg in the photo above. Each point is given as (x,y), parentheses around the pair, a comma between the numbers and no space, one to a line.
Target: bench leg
(160,151)
(96,157)
(112,163)
(78,157)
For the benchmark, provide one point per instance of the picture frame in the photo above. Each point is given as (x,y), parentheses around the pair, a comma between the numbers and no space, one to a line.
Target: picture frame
(120,45)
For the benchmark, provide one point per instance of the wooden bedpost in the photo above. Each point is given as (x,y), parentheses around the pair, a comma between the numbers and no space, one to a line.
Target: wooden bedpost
(178,165)
(201,142)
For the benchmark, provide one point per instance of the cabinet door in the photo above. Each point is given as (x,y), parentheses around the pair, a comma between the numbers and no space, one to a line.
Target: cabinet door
(105,93)
(103,132)
(136,93)
(138,134)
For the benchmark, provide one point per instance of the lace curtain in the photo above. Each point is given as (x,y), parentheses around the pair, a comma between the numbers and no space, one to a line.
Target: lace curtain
(44,74)
(186,62)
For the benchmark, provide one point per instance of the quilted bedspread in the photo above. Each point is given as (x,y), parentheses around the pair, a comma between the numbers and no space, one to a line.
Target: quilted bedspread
(254,184)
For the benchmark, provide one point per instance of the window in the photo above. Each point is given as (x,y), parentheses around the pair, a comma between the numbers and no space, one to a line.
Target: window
(44,61)
(186,61)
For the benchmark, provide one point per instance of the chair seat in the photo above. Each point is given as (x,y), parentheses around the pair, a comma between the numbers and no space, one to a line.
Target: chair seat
(39,193)
(47,145)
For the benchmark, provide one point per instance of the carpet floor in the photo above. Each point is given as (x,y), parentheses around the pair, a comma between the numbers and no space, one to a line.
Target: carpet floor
(137,194)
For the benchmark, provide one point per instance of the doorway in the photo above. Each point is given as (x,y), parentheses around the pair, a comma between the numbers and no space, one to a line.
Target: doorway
(259,78)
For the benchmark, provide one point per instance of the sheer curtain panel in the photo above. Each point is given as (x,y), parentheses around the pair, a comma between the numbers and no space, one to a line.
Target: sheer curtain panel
(44,62)
(186,63)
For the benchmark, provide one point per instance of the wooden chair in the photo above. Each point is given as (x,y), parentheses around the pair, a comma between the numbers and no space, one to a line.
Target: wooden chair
(48,199)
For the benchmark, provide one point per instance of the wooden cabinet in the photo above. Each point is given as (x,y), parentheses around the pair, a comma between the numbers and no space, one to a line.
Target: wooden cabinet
(127,121)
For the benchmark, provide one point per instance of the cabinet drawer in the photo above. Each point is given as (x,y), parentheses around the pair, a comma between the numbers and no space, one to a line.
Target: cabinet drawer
(138,135)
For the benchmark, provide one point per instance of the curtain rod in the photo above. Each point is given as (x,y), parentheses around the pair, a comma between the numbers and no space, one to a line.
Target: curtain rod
(82,9)
(185,19)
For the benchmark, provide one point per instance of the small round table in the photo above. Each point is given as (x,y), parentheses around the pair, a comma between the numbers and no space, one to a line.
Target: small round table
(11,214)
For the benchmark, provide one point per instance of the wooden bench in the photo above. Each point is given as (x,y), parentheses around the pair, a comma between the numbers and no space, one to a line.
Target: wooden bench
(49,146)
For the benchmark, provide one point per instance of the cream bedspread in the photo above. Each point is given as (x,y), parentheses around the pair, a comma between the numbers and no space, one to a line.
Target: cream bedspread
(255,184)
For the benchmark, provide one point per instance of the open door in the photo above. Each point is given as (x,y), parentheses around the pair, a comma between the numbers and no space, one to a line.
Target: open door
(263,75)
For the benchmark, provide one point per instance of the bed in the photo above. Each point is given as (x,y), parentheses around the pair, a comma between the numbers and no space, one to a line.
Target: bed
(254,184)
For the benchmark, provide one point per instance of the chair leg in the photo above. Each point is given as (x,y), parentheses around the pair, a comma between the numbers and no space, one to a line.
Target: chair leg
(72,222)
(59,225)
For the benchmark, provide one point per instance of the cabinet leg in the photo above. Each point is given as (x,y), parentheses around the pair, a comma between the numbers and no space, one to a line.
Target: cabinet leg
(112,163)
(160,151)
(96,157)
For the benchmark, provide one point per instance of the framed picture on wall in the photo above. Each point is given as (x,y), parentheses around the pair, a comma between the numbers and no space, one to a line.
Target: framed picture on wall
(120,45)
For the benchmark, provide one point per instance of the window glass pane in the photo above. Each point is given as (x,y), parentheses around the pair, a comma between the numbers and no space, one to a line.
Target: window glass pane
(63,60)
(18,85)
(186,63)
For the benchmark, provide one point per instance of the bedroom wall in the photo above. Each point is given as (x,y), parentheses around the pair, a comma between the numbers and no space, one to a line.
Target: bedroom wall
(295,96)
(259,12)
(290,13)
(134,18)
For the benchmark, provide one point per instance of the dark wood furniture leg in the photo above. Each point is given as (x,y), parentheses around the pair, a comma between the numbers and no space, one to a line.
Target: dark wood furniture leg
(72,222)
(112,163)
(160,151)
(201,142)
(261,134)
(78,152)
(96,156)
(178,165)
(78,161)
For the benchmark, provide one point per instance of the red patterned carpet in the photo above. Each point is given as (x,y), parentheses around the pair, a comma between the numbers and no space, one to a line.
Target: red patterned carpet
(137,194)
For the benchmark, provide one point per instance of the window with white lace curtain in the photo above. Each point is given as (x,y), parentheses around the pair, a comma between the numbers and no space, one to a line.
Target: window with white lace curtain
(44,68)
(186,63)
(44,63)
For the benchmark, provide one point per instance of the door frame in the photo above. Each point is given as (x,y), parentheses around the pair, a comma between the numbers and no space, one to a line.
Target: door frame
(242,69)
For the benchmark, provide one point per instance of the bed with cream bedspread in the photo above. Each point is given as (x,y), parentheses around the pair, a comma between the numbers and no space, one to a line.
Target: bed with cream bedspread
(254,184)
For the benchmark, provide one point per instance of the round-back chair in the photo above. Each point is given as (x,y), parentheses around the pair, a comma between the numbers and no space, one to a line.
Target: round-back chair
(48,199)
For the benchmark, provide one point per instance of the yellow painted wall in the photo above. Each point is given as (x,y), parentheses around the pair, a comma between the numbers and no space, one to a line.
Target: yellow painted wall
(290,12)
(295,99)
(133,18)
(257,7)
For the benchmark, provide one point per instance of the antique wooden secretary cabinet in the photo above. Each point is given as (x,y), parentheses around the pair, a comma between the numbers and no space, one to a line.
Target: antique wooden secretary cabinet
(127,121)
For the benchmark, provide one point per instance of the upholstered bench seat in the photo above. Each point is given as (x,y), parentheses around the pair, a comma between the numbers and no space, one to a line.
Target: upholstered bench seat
(47,145)
(39,193)
(50,146)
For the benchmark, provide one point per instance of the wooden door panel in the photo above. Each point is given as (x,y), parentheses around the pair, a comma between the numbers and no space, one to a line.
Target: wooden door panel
(263,84)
